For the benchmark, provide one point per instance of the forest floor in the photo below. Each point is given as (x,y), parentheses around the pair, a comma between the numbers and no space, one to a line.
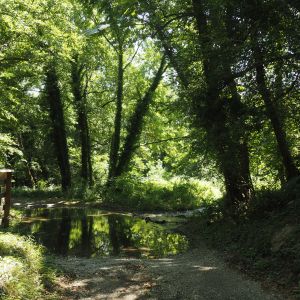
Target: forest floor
(197,274)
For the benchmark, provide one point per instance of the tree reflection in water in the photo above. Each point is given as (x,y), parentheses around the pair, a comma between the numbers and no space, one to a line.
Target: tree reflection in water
(87,237)
(63,236)
(119,232)
(90,233)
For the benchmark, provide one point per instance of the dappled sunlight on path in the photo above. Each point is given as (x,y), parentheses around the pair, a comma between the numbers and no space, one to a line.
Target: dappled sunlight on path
(107,278)
(197,274)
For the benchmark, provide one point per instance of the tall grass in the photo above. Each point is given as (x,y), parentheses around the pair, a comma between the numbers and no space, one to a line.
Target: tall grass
(22,269)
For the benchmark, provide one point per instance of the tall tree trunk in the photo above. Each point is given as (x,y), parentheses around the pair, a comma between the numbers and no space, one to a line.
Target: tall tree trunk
(115,143)
(283,147)
(82,121)
(166,43)
(237,108)
(58,126)
(230,144)
(226,132)
(89,159)
(240,139)
(169,52)
(136,122)
(25,143)
(232,156)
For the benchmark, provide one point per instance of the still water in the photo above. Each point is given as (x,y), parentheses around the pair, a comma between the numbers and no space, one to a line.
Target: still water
(91,233)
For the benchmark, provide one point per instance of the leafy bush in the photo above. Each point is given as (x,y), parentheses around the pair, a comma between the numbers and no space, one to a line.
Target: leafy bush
(149,194)
(272,201)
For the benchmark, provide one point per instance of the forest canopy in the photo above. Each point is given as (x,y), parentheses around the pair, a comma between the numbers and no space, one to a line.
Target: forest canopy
(131,95)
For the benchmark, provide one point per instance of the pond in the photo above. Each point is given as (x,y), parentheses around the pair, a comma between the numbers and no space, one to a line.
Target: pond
(91,233)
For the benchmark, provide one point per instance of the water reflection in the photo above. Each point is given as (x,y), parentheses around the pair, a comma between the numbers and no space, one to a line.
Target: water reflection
(63,236)
(90,233)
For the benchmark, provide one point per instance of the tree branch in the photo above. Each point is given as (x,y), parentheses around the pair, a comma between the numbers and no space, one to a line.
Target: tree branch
(254,65)
(165,140)
(133,57)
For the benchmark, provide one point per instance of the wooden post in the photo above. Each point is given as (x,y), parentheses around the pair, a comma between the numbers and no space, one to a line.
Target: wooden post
(6,176)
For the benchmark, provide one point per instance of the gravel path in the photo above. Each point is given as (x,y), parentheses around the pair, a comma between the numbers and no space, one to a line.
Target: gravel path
(197,274)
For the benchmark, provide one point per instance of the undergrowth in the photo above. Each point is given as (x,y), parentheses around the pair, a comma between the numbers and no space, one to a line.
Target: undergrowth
(266,241)
(164,195)
(39,192)
(145,194)
(23,272)
(77,191)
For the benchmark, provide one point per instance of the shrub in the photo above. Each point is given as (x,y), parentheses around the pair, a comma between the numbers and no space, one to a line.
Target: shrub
(273,201)
(40,192)
(149,194)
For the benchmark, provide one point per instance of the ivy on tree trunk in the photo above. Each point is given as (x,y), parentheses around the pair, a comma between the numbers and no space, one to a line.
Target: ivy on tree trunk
(59,135)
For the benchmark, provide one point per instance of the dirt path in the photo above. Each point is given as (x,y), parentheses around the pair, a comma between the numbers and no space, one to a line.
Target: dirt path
(197,274)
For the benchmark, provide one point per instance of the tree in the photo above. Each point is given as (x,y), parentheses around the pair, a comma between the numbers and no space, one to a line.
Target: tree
(257,38)
(136,123)
(219,109)
(56,113)
(79,90)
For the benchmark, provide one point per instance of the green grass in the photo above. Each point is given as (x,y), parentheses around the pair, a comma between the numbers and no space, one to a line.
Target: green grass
(164,195)
(23,272)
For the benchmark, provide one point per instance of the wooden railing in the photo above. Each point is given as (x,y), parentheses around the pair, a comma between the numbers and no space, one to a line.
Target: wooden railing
(5,196)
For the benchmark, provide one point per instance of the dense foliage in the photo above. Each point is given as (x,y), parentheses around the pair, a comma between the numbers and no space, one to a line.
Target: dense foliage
(96,90)
(156,105)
